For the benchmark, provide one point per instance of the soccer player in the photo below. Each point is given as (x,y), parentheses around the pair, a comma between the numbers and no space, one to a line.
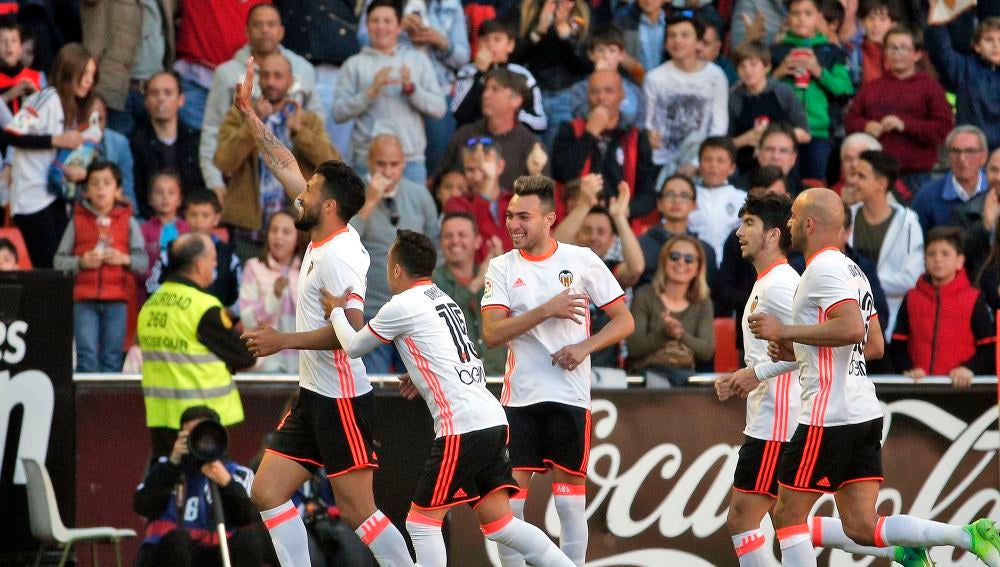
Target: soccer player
(837,446)
(772,390)
(536,299)
(468,462)
(330,424)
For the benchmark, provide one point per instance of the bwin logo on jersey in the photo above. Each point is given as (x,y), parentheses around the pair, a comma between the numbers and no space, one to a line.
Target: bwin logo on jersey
(566,278)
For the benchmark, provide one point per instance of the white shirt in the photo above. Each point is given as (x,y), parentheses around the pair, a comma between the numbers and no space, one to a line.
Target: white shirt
(336,263)
(685,108)
(772,408)
(835,385)
(717,215)
(517,283)
(429,330)
(42,113)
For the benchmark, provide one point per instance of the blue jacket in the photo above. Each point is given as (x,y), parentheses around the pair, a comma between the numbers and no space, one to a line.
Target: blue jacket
(936,199)
(974,81)
(116,149)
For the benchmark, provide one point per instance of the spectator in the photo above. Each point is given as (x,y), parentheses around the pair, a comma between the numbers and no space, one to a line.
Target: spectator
(710,49)
(9,259)
(497,41)
(718,201)
(905,109)
(269,291)
(674,323)
(676,201)
(978,218)
(438,28)
(817,70)
(39,214)
(17,81)
(866,54)
(164,225)
(606,50)
(253,193)
(551,35)
(945,327)
(487,198)
(778,147)
(644,26)
(463,279)
(175,498)
(99,248)
(264,34)
(850,153)
(756,101)
(388,88)
(208,34)
(202,213)
(392,202)
(163,141)
(966,147)
(886,233)
(450,184)
(605,144)
(504,94)
(114,147)
(757,20)
(686,99)
(975,79)
(188,344)
(132,42)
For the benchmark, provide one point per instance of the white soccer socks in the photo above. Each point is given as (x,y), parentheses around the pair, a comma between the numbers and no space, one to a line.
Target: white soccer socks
(385,541)
(752,550)
(796,546)
(909,531)
(571,505)
(533,545)
(510,557)
(425,533)
(829,532)
(288,534)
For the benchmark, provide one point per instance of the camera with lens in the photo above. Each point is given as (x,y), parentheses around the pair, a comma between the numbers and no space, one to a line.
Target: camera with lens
(207,441)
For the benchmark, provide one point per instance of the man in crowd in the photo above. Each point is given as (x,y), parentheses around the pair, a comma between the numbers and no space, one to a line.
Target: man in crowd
(487,199)
(978,219)
(675,203)
(966,147)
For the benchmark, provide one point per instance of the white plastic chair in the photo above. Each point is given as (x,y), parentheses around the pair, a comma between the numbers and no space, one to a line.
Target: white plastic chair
(47,526)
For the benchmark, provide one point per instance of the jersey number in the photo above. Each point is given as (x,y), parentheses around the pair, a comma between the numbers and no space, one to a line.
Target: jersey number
(857,366)
(452,315)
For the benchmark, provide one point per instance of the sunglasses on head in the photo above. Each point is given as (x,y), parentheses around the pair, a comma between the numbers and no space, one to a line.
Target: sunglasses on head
(479,141)
(688,258)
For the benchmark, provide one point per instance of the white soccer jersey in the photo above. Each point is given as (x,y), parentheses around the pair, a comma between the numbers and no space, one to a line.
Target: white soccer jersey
(518,282)
(429,330)
(336,263)
(41,113)
(835,385)
(773,407)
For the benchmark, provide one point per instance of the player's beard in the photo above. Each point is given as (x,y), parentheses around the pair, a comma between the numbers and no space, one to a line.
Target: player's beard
(799,237)
(306,220)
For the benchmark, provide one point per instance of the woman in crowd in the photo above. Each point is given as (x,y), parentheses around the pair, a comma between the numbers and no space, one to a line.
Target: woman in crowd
(674,326)
(269,290)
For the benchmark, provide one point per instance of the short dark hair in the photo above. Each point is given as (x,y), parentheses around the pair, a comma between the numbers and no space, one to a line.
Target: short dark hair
(685,179)
(7,244)
(497,25)
(765,176)
(884,164)
(185,251)
(166,172)
(538,185)
(9,22)
(253,10)
(891,6)
(774,211)
(779,128)
(342,184)
(510,80)
(169,73)
(751,50)
(461,215)
(606,34)
(199,412)
(720,142)
(415,252)
(394,4)
(203,197)
(604,212)
(912,32)
(950,234)
(815,3)
(101,165)
(833,12)
(698,25)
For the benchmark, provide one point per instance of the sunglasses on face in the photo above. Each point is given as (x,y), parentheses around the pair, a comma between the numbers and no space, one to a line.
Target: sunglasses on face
(688,258)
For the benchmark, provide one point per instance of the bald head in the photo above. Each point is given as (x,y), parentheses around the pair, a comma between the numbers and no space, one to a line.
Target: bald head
(604,88)
(385,157)
(385,143)
(275,77)
(817,220)
(824,207)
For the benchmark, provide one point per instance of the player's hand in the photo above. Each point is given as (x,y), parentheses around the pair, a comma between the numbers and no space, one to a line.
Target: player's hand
(331,302)
(567,305)
(537,159)
(263,340)
(91,259)
(744,381)
(406,387)
(781,351)
(766,327)
(280,285)
(569,357)
(961,377)
(724,387)
(217,473)
(915,373)
(618,206)
(180,447)
(243,98)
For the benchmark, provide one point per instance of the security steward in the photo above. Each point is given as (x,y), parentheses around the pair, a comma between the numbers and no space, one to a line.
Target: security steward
(189,346)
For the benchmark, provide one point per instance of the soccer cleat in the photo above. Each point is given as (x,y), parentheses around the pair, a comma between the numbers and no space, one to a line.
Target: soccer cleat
(984,541)
(913,557)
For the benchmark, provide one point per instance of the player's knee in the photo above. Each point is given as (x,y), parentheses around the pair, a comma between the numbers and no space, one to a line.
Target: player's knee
(786,516)
(862,532)
(354,511)
(736,518)
(265,497)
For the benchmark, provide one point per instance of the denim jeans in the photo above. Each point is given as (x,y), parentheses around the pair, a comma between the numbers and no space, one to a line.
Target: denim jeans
(193,111)
(383,360)
(99,328)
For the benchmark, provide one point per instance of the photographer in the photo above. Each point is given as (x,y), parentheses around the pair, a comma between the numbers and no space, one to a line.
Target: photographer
(175,497)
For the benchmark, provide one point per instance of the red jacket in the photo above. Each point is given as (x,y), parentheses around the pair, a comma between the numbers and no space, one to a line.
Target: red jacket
(489,226)
(210,32)
(9,81)
(106,283)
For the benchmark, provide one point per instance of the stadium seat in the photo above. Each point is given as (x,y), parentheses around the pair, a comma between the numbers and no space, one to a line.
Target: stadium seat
(727,359)
(14,235)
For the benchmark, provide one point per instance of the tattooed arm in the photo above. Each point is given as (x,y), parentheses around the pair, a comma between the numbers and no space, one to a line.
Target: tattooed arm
(278,158)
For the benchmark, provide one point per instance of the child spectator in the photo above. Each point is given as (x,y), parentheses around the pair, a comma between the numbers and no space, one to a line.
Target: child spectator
(100,246)
(17,81)
(9,260)
(975,79)
(756,101)
(644,26)
(450,184)
(686,99)
(865,55)
(606,50)
(710,49)
(269,291)
(497,40)
(905,109)
(202,212)
(718,201)
(817,70)
(944,325)
(165,226)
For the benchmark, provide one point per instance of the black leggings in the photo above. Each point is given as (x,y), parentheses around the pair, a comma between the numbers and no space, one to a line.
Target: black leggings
(42,232)
(176,549)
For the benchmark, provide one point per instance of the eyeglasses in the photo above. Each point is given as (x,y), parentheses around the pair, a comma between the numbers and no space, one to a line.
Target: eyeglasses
(479,141)
(390,203)
(966,152)
(688,258)
(671,196)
